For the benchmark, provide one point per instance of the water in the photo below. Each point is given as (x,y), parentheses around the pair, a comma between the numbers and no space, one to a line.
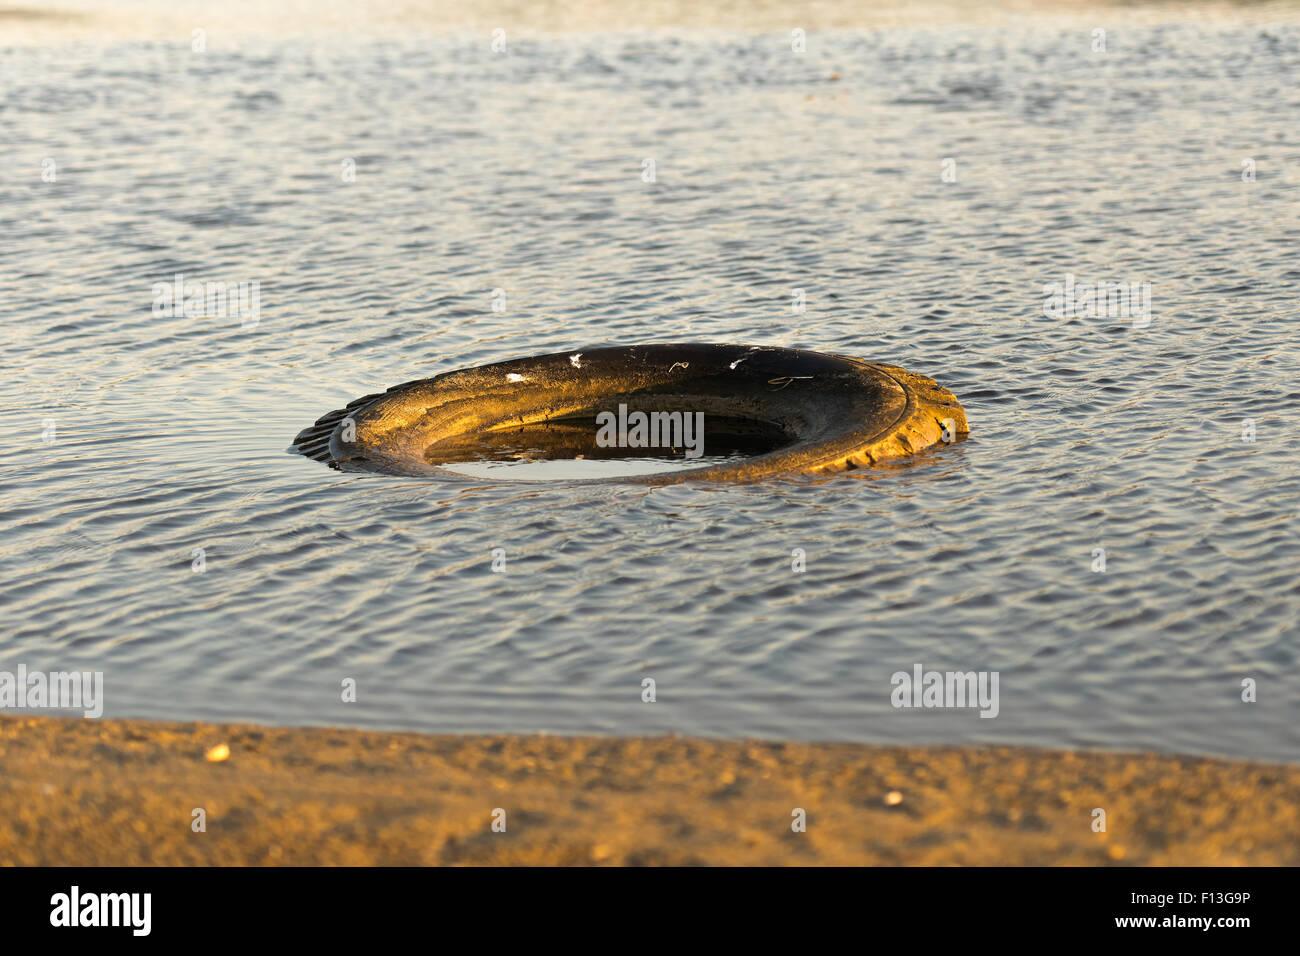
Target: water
(525,172)
(583,469)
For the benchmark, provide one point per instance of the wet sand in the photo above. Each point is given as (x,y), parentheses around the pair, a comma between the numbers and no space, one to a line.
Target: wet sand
(114,792)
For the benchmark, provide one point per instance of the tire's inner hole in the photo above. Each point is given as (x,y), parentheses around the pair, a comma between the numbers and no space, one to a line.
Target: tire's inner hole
(581,445)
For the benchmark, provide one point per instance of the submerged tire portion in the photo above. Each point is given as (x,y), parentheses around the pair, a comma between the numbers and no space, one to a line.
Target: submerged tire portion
(836,413)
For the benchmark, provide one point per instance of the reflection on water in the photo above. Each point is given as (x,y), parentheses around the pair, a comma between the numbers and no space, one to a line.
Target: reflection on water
(540,469)
(415,205)
(606,445)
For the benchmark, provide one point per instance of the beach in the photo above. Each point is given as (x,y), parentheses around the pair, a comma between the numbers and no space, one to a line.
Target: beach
(124,792)
(293,665)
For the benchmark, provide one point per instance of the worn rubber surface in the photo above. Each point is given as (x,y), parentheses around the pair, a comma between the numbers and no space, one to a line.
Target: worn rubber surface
(838,413)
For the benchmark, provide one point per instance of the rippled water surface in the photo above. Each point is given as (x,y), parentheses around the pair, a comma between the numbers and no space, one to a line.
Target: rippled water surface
(525,172)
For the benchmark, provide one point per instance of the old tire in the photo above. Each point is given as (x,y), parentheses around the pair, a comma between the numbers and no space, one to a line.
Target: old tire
(840,413)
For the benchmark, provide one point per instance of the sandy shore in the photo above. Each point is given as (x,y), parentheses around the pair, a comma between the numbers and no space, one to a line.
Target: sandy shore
(87,792)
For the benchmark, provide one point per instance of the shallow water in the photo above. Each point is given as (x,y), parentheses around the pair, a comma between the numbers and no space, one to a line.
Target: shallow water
(525,172)
(584,469)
